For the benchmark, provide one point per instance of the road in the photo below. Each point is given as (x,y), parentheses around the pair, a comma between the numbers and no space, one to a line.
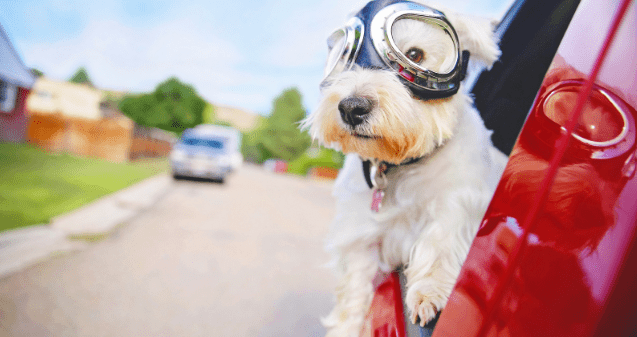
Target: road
(243,258)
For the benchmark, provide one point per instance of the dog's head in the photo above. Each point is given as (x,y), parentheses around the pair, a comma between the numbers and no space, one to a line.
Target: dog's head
(392,79)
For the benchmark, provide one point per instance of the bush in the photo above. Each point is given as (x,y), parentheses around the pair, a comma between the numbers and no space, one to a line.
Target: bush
(316,157)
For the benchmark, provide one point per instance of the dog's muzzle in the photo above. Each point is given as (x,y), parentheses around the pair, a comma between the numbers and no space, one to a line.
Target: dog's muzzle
(366,40)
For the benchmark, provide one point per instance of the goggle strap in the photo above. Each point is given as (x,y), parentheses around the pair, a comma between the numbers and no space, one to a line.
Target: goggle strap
(465,64)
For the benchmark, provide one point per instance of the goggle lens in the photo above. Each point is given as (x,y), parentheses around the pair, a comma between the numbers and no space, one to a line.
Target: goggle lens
(343,47)
(336,45)
(423,44)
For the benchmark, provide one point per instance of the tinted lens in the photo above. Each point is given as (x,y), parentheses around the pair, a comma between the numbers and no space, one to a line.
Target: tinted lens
(336,46)
(343,47)
(425,43)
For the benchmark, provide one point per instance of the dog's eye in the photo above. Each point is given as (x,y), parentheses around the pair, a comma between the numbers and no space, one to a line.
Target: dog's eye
(416,55)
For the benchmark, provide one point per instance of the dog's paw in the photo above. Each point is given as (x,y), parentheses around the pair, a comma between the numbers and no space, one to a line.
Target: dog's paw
(424,306)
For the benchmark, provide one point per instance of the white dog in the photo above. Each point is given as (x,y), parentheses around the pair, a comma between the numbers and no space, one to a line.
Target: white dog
(430,158)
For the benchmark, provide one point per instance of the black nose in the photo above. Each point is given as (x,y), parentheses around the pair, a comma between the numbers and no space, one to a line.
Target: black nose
(354,109)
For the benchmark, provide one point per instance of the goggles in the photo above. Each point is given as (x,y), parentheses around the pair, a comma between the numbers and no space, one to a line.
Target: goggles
(369,40)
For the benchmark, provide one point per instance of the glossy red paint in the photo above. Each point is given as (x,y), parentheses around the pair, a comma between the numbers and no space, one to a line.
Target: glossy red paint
(548,258)
(385,318)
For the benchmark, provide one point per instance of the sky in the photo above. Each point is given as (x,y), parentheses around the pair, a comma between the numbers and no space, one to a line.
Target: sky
(239,53)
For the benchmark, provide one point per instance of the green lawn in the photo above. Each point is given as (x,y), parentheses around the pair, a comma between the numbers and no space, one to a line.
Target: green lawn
(36,186)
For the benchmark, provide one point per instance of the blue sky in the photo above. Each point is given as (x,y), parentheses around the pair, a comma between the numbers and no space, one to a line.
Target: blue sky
(239,53)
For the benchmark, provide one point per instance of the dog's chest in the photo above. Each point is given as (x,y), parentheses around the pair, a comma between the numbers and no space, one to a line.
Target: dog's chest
(403,218)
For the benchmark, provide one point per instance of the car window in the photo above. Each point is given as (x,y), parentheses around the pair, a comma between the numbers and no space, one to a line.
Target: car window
(529,36)
(216,144)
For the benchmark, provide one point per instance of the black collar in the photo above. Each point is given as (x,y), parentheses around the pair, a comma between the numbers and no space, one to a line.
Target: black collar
(383,167)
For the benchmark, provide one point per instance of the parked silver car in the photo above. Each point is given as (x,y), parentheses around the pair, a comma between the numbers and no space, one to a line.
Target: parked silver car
(206,151)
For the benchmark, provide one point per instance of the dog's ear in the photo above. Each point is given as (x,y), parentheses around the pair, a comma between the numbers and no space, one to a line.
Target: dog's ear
(476,36)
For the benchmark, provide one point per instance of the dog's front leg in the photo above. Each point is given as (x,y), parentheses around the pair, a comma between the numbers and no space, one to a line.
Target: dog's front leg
(435,263)
(354,292)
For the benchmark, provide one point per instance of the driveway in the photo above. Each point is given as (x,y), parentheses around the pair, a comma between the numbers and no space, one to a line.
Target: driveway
(242,258)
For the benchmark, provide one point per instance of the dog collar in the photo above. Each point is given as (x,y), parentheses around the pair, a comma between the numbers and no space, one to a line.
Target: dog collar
(375,171)
(367,40)
(376,177)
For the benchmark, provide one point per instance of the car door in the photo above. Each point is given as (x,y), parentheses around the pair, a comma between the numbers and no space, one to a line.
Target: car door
(555,254)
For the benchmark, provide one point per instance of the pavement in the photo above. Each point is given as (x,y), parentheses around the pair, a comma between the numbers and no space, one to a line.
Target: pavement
(239,258)
(24,247)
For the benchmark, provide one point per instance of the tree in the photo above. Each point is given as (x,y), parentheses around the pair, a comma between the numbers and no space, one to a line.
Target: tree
(36,72)
(81,77)
(279,137)
(173,106)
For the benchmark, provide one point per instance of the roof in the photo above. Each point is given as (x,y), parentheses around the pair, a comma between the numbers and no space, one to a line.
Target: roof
(12,70)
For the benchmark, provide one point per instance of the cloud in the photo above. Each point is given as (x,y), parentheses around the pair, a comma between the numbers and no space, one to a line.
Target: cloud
(121,57)
(302,36)
(232,54)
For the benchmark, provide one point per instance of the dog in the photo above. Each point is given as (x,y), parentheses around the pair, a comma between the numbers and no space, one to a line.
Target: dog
(417,141)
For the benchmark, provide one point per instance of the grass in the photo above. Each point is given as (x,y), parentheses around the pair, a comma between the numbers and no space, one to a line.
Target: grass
(36,186)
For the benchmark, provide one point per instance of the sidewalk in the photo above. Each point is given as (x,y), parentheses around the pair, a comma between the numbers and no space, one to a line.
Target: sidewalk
(23,247)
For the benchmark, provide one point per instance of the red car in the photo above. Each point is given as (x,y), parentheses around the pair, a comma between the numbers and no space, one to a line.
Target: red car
(556,252)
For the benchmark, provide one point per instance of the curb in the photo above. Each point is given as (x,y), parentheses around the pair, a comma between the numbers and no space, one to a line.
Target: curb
(23,247)
(102,215)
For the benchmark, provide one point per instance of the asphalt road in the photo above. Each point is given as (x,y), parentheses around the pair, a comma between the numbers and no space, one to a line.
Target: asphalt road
(242,258)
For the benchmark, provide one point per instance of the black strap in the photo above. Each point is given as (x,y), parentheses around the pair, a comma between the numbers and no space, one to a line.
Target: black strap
(366,172)
(367,168)
(465,64)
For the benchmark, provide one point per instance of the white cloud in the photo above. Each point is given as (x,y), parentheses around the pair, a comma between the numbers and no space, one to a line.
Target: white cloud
(232,60)
(118,56)
(303,35)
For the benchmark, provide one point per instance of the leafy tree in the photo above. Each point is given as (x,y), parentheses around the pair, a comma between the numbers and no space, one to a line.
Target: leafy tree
(209,114)
(279,137)
(173,106)
(81,77)
(36,72)
(251,146)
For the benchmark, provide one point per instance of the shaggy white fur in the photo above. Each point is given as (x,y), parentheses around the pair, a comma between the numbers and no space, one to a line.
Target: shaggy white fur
(431,209)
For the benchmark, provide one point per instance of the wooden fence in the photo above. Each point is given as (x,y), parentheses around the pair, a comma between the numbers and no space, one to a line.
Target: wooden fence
(106,139)
(145,147)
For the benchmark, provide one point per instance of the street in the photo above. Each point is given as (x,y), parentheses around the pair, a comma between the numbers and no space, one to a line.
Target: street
(243,258)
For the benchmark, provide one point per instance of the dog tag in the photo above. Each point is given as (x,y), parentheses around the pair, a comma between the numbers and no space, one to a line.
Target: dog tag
(377,199)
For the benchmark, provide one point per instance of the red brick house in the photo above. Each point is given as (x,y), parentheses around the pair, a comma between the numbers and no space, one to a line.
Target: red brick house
(16,80)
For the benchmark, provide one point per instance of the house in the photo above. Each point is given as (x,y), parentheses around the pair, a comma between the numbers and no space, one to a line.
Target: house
(76,118)
(240,119)
(16,80)
(68,99)
(85,121)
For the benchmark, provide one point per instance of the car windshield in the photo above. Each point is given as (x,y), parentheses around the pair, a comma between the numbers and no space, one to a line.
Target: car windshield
(211,143)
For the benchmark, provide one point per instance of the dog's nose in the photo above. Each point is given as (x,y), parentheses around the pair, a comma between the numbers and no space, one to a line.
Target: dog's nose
(354,109)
